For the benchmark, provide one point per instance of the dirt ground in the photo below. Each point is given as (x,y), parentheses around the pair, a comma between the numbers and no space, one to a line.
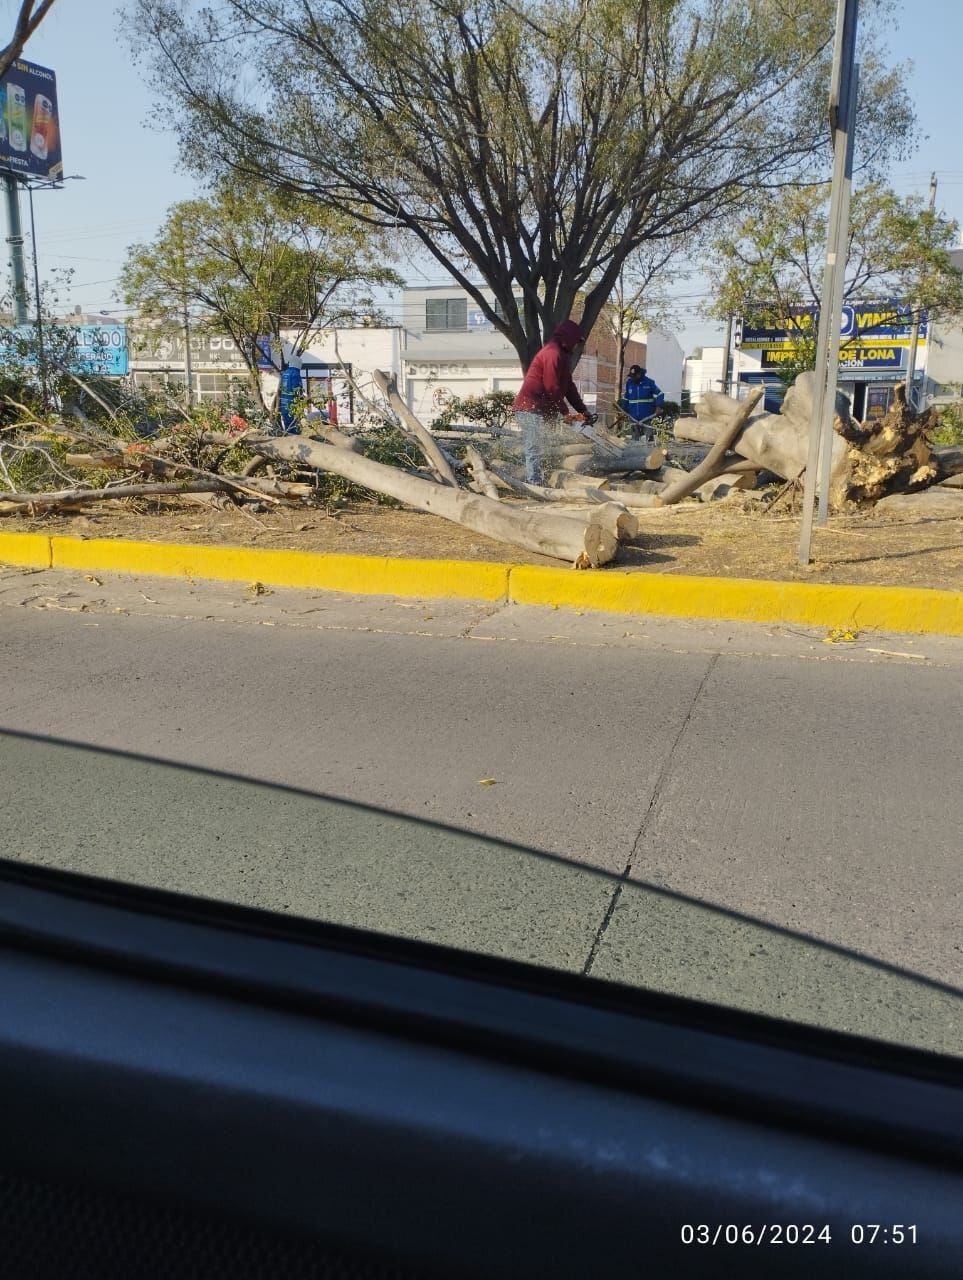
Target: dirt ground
(713,539)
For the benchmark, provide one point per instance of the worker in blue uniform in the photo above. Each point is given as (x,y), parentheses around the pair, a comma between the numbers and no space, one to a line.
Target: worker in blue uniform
(641,400)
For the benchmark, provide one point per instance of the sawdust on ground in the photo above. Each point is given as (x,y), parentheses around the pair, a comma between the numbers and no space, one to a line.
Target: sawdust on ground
(717,539)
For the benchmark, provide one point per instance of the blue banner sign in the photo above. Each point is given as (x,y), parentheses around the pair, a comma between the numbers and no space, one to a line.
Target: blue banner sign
(98,350)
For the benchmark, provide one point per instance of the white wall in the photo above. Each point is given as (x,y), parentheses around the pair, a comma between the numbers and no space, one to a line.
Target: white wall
(364,349)
(429,385)
(705,373)
(663,362)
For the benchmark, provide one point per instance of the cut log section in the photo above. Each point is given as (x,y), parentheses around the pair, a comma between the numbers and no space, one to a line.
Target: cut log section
(949,459)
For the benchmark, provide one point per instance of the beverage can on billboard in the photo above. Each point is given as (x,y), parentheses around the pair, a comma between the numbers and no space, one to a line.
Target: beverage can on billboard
(29,123)
(41,128)
(17,116)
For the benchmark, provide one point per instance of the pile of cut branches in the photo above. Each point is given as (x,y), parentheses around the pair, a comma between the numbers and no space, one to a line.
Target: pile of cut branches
(587,509)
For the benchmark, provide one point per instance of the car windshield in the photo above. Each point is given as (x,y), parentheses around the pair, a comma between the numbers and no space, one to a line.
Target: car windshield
(540,537)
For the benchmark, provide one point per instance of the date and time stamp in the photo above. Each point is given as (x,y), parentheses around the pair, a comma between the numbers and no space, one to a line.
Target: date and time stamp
(749,1235)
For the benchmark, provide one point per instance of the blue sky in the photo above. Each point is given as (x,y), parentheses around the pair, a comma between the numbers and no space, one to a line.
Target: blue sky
(131,176)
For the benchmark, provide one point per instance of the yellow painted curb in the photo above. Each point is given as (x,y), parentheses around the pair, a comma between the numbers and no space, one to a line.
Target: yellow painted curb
(30,549)
(367,575)
(867,608)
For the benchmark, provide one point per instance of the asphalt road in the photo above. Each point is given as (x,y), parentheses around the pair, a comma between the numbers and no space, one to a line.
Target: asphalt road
(743,814)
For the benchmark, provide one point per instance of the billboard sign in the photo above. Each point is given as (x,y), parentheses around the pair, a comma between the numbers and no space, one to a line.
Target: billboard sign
(874,335)
(164,349)
(30,122)
(97,350)
(101,349)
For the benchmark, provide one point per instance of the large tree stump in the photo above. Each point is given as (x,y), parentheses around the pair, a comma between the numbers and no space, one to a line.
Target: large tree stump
(869,460)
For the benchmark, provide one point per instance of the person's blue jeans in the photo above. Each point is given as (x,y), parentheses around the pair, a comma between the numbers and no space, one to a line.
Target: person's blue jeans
(532,426)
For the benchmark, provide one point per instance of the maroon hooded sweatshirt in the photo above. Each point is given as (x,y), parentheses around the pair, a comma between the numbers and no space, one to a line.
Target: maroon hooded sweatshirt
(548,383)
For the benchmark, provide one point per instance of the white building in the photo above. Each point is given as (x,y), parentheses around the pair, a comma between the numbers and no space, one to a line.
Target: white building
(664,362)
(943,379)
(451,350)
(445,348)
(330,354)
(703,372)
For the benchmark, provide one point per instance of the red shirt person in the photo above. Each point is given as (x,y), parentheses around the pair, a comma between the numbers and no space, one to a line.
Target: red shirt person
(543,394)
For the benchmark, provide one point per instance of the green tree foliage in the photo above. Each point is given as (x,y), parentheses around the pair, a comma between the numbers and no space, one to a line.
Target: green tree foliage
(639,301)
(526,146)
(771,261)
(949,426)
(493,410)
(252,261)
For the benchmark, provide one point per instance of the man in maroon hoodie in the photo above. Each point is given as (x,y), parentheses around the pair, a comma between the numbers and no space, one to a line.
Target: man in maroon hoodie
(547,386)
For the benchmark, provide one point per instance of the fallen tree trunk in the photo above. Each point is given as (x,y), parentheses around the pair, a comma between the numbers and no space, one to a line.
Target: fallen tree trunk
(578,492)
(949,459)
(869,460)
(584,543)
(938,500)
(776,442)
(437,459)
(632,457)
(147,465)
(709,467)
(722,485)
(80,497)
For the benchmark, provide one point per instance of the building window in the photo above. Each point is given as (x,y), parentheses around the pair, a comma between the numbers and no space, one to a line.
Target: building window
(146,380)
(446,313)
(207,386)
(215,386)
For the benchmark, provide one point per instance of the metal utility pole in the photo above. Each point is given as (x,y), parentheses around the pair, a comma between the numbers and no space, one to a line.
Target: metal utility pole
(15,241)
(41,352)
(914,341)
(726,359)
(188,368)
(826,429)
(842,107)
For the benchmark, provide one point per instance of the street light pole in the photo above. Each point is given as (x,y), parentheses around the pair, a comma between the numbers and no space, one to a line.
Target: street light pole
(841,114)
(41,353)
(826,428)
(15,241)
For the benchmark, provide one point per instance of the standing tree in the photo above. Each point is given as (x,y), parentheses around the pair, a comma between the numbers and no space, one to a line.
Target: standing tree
(769,265)
(254,261)
(528,147)
(639,302)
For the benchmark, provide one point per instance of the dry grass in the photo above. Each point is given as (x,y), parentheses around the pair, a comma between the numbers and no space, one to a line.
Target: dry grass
(716,539)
